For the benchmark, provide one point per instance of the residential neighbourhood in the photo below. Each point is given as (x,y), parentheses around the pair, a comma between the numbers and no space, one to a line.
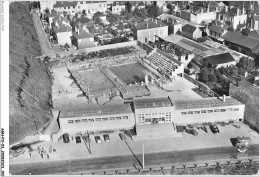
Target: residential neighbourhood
(145,87)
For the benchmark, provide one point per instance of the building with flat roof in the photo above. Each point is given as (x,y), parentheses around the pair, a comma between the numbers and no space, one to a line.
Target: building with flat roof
(96,118)
(150,110)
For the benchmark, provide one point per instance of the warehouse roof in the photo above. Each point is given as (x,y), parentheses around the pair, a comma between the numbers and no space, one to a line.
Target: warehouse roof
(220,59)
(151,102)
(96,110)
(217,29)
(241,40)
(206,103)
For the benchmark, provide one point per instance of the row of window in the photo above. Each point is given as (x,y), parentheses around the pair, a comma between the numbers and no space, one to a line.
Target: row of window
(209,111)
(167,113)
(98,119)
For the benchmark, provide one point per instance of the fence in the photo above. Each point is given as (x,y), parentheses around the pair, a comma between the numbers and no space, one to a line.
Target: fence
(201,86)
(97,48)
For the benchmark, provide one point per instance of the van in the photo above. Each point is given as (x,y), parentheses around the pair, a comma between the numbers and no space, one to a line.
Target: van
(243,141)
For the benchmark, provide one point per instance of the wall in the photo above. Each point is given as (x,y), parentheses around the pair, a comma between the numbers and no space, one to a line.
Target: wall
(85,43)
(239,19)
(150,33)
(180,119)
(176,28)
(250,97)
(197,34)
(64,38)
(117,9)
(226,64)
(94,126)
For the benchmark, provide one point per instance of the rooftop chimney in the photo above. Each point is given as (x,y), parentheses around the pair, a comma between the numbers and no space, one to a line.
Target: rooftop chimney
(237,11)
(147,25)
(226,8)
(224,98)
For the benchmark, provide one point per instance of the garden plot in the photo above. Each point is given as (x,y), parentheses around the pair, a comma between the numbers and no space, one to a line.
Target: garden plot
(130,73)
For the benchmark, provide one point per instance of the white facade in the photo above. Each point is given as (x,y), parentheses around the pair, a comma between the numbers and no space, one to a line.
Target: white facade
(226,64)
(96,123)
(47,4)
(200,115)
(146,35)
(241,19)
(90,8)
(117,8)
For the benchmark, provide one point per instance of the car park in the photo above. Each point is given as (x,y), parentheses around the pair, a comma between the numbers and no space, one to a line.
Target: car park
(214,128)
(122,136)
(192,131)
(66,138)
(106,137)
(78,139)
(98,139)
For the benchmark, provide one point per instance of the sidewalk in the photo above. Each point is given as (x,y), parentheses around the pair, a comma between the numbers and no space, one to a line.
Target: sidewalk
(116,147)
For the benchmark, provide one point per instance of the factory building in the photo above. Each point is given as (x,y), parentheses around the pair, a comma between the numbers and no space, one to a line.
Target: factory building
(147,111)
(97,118)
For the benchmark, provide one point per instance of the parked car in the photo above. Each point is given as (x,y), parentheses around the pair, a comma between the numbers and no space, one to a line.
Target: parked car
(86,138)
(204,128)
(192,131)
(180,128)
(122,136)
(98,139)
(214,128)
(106,137)
(66,138)
(236,125)
(78,139)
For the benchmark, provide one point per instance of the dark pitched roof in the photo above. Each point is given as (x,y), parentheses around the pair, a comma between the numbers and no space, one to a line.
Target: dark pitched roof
(151,24)
(240,39)
(137,3)
(220,59)
(94,110)
(82,34)
(65,4)
(185,15)
(151,102)
(62,28)
(53,13)
(212,4)
(217,29)
(202,39)
(188,28)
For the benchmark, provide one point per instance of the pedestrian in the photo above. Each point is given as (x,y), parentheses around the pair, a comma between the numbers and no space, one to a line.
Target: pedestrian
(54,150)
(30,154)
(41,155)
(48,156)
(30,173)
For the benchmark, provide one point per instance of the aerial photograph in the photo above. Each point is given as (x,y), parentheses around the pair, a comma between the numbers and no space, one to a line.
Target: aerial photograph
(133,87)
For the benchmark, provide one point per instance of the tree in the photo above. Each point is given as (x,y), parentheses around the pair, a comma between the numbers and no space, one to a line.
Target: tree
(47,11)
(212,77)
(153,11)
(128,6)
(84,12)
(204,75)
(170,7)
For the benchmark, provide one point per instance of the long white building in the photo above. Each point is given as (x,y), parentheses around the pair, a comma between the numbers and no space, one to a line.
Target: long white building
(151,110)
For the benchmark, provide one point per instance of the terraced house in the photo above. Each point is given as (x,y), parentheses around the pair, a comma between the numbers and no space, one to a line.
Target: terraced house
(71,7)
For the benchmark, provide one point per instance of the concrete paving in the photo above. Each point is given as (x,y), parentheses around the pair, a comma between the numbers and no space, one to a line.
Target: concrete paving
(117,147)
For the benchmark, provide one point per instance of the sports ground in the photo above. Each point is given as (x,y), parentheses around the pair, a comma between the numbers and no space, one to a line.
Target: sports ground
(130,73)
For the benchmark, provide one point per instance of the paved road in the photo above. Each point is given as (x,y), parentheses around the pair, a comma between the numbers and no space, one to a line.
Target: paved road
(88,165)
